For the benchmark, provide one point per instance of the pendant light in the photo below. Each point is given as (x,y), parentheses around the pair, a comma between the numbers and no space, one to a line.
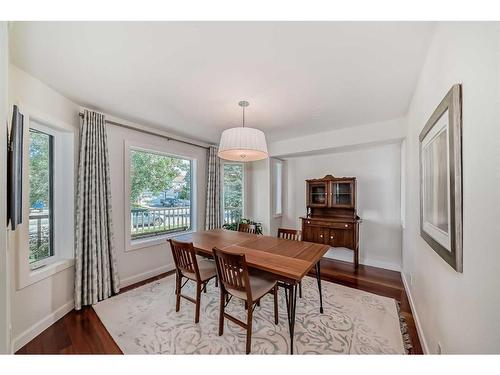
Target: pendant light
(243,144)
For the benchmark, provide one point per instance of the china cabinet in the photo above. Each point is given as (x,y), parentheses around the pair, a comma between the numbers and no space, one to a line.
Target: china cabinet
(331,217)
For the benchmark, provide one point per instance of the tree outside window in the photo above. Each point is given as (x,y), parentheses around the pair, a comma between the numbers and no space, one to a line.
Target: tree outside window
(233,176)
(160,193)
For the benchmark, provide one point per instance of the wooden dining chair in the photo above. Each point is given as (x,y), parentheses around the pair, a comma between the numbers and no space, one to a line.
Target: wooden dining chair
(247,228)
(236,281)
(294,235)
(187,265)
(289,234)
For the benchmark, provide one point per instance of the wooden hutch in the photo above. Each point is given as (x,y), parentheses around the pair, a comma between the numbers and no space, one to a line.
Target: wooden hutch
(331,213)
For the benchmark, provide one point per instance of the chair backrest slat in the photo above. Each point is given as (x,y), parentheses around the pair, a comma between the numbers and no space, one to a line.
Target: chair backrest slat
(289,234)
(184,257)
(232,271)
(247,228)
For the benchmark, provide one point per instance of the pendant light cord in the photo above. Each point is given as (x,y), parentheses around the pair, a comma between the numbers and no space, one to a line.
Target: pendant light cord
(243,104)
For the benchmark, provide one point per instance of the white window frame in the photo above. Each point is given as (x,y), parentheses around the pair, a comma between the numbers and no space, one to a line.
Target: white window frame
(141,243)
(63,205)
(243,187)
(274,176)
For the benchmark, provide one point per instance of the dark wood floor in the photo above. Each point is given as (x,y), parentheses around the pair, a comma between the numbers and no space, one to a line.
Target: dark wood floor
(83,333)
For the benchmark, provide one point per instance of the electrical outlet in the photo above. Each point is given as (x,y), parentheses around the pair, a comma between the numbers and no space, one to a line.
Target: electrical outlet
(439,348)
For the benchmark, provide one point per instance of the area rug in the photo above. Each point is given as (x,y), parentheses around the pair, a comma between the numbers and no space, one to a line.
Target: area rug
(143,320)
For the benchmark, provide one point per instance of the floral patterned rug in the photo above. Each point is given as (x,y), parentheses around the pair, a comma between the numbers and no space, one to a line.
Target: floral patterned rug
(143,320)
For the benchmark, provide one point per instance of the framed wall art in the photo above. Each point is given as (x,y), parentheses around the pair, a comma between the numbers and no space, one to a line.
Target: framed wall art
(441,179)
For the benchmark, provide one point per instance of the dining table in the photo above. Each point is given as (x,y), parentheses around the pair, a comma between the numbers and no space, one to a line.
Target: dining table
(288,261)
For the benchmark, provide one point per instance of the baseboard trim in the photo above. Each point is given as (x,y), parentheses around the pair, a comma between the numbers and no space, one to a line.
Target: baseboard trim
(381,264)
(37,328)
(365,261)
(423,341)
(145,275)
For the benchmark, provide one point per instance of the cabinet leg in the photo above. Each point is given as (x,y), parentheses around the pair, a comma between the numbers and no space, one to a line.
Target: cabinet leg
(356,258)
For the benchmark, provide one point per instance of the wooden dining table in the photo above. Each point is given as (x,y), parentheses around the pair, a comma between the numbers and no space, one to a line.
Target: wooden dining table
(287,260)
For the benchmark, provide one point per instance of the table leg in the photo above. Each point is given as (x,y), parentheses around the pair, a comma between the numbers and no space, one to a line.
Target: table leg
(291,299)
(318,277)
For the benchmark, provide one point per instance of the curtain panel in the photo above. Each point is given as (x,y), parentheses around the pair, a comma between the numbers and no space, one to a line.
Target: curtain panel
(213,217)
(96,276)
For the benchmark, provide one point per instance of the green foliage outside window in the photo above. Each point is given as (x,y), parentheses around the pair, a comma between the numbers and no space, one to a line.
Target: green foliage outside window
(40,225)
(39,159)
(155,173)
(233,186)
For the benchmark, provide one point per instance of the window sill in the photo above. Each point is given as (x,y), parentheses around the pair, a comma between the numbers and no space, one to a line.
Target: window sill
(44,272)
(153,241)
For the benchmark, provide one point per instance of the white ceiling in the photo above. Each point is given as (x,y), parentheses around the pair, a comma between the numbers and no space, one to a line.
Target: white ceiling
(187,77)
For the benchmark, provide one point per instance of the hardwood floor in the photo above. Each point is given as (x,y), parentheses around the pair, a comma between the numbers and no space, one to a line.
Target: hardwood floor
(81,332)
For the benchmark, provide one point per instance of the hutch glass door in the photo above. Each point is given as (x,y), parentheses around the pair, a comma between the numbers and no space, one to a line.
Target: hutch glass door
(342,194)
(318,194)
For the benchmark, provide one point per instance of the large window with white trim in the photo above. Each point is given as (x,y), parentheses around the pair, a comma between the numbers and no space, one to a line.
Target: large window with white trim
(233,176)
(160,194)
(46,243)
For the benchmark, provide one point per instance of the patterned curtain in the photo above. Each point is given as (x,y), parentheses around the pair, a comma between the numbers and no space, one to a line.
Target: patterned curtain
(213,213)
(96,276)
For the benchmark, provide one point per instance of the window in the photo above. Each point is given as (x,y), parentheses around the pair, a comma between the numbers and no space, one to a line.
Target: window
(46,243)
(278,188)
(41,187)
(233,199)
(160,194)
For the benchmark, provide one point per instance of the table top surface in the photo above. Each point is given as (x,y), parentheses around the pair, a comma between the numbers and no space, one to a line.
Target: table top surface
(288,259)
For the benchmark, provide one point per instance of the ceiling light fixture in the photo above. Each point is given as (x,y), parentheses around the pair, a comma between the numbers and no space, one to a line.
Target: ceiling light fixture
(243,144)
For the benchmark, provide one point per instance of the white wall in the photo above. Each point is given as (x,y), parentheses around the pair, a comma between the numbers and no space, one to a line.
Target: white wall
(258,189)
(459,310)
(377,169)
(149,261)
(4,254)
(38,305)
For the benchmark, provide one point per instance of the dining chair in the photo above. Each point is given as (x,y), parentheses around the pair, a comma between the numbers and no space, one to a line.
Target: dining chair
(189,266)
(236,281)
(294,235)
(247,228)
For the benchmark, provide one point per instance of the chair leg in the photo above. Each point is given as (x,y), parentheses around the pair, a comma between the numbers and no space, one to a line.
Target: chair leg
(276,304)
(249,328)
(221,312)
(205,287)
(198,299)
(178,279)
(300,289)
(216,282)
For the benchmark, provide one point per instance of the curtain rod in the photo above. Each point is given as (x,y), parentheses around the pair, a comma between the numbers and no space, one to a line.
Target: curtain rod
(149,132)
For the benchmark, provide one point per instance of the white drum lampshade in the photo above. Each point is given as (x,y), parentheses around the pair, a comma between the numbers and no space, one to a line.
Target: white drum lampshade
(243,144)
